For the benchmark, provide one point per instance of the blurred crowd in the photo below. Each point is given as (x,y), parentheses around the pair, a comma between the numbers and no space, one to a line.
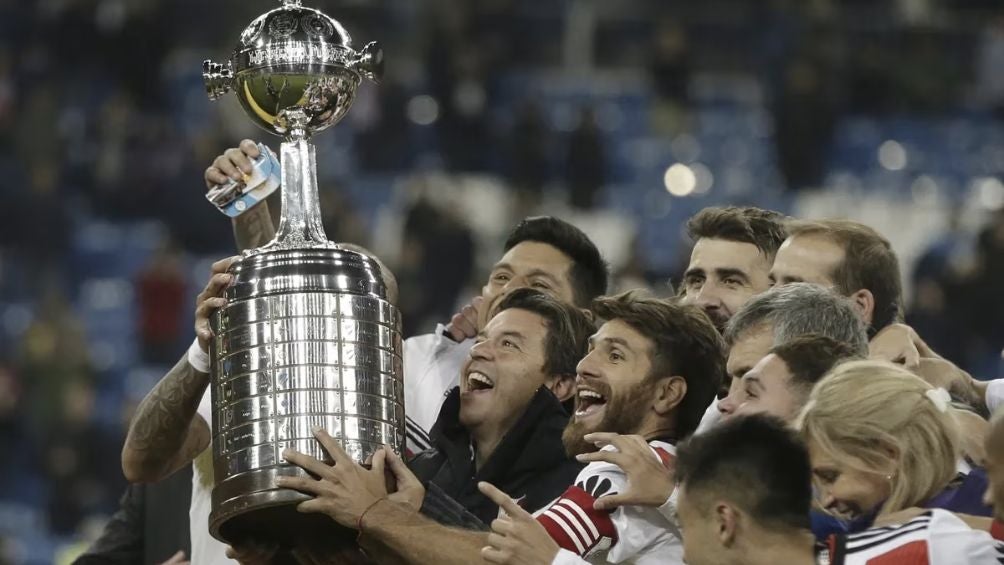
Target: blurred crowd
(103,119)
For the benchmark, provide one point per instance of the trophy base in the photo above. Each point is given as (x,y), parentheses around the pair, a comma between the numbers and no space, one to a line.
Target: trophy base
(270,518)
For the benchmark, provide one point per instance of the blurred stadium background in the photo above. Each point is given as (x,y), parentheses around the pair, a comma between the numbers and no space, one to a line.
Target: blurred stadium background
(626,117)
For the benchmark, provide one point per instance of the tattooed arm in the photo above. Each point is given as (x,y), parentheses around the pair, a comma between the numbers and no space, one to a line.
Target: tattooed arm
(166,433)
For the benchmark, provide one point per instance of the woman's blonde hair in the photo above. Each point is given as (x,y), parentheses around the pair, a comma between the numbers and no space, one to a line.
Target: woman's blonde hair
(884,417)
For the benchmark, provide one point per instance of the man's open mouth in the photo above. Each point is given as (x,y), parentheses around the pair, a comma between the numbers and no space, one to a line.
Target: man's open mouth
(588,402)
(478,381)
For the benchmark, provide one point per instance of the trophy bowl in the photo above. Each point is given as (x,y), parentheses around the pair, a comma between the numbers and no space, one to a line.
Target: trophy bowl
(294,66)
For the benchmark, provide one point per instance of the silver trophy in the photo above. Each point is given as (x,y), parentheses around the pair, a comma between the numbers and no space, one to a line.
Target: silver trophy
(308,337)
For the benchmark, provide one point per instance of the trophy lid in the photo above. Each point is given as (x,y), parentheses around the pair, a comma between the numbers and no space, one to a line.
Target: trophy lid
(294,24)
(294,70)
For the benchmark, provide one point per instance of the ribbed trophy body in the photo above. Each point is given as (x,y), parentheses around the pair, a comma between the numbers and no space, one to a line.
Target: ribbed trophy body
(307,339)
(309,336)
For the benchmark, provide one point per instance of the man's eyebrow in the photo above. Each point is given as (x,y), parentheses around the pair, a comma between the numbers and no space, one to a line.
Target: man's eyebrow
(740,372)
(726,272)
(501,265)
(754,379)
(542,273)
(513,333)
(694,272)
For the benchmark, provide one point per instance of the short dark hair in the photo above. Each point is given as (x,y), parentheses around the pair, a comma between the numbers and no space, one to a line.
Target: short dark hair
(757,463)
(588,274)
(810,357)
(568,328)
(686,344)
(763,228)
(869,263)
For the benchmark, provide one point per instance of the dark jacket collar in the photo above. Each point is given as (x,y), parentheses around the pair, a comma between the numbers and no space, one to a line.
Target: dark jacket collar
(532,444)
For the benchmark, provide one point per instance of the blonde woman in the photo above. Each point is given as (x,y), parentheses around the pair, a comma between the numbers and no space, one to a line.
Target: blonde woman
(882,440)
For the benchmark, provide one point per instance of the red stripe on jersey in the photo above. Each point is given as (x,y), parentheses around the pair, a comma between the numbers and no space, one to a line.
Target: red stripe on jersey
(664,456)
(997,530)
(913,553)
(575,525)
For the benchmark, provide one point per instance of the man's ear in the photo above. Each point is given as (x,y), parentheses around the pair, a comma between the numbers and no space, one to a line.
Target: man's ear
(562,386)
(864,302)
(589,314)
(727,521)
(669,393)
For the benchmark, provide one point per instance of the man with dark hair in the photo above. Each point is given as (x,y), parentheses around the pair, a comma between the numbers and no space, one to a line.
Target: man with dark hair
(745,492)
(651,370)
(543,253)
(733,252)
(780,383)
(852,259)
(507,410)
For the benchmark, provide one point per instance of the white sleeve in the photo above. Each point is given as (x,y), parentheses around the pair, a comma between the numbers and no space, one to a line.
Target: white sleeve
(995,395)
(668,508)
(432,364)
(565,557)
(951,541)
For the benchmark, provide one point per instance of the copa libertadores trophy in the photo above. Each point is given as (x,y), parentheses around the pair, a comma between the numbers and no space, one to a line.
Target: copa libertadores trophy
(308,337)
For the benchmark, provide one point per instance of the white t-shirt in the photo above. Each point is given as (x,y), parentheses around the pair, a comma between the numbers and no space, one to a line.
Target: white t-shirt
(432,364)
(629,534)
(205,548)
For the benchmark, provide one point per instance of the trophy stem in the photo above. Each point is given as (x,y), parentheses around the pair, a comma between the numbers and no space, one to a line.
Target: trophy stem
(300,225)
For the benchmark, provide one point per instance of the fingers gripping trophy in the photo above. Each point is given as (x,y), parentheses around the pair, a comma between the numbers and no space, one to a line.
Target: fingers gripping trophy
(308,337)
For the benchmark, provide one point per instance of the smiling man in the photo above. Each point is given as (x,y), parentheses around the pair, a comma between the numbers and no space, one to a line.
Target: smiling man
(732,256)
(502,423)
(651,369)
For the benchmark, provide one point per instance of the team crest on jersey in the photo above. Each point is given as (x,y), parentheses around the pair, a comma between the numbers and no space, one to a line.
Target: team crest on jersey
(597,486)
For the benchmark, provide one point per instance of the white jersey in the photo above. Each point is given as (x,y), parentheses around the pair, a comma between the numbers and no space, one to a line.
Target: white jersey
(205,548)
(936,537)
(629,534)
(432,365)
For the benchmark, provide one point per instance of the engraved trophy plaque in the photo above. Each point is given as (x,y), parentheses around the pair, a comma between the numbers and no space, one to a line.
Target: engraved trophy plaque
(308,336)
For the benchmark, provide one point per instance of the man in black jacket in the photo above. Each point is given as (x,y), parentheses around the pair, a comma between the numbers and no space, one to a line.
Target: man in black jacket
(504,422)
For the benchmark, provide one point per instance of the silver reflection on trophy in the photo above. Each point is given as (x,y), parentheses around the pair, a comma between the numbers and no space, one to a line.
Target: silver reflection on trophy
(308,337)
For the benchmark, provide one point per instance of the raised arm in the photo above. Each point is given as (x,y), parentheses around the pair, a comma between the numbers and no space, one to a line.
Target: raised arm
(166,433)
(256,227)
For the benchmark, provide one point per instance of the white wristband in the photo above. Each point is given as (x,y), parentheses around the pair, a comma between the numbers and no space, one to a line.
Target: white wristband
(197,358)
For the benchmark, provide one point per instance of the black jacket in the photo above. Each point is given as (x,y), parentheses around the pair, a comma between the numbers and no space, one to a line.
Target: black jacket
(529,463)
(150,526)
